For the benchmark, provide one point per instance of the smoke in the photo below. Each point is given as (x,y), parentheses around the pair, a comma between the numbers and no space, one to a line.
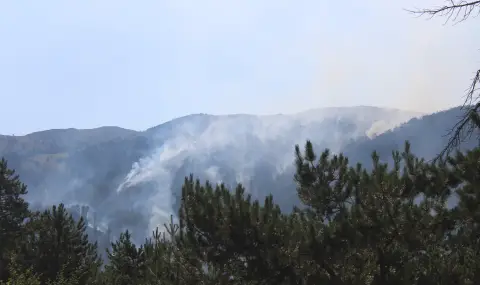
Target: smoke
(267,57)
(189,141)
(239,144)
(157,169)
(227,57)
(381,55)
(382,126)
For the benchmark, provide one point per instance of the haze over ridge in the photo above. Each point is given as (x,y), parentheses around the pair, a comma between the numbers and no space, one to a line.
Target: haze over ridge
(86,64)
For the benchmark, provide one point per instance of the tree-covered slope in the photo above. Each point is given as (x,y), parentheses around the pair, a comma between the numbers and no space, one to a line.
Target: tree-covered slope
(121,173)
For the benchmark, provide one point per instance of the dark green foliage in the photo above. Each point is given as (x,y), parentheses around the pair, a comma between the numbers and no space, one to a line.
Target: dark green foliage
(240,237)
(394,224)
(27,277)
(127,262)
(54,243)
(377,224)
(13,212)
(390,225)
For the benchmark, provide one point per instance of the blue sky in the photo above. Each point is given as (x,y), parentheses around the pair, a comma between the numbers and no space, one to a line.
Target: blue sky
(136,64)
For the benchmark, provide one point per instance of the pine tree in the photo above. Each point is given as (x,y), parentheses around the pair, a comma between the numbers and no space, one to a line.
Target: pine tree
(13,212)
(57,245)
(20,277)
(387,226)
(239,237)
(464,241)
(127,263)
(171,260)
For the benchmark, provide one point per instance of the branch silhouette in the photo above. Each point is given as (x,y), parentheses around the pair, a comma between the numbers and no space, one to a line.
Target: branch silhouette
(469,123)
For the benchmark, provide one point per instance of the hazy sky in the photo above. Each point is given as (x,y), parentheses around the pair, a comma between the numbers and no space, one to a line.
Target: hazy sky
(135,64)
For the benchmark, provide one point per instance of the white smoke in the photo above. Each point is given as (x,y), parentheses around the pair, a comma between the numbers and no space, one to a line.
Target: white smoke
(242,141)
(382,126)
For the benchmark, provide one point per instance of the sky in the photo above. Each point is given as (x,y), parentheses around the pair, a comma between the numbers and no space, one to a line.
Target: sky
(136,64)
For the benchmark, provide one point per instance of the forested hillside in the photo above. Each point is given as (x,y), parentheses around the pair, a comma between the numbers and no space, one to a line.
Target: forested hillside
(356,226)
(85,170)
(325,220)
(133,179)
(357,195)
(428,136)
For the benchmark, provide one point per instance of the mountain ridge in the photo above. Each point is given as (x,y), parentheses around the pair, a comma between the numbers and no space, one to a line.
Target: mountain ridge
(189,116)
(141,172)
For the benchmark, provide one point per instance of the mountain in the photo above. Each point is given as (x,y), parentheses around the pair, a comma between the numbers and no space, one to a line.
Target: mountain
(428,135)
(131,179)
(60,140)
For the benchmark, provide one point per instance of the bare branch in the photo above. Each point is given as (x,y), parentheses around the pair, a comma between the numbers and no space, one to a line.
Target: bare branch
(458,11)
(455,10)
(466,126)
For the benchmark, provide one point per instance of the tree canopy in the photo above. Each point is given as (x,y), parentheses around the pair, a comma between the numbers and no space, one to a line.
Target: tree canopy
(412,222)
